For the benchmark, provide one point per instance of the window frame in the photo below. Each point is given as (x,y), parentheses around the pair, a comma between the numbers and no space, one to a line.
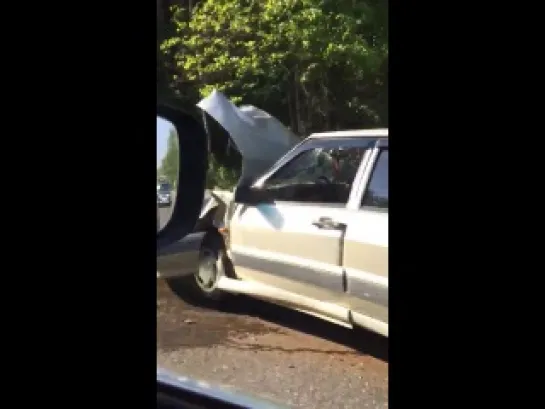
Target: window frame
(367,172)
(312,143)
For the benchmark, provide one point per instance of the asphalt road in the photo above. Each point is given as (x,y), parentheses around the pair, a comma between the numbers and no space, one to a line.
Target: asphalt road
(164,216)
(273,353)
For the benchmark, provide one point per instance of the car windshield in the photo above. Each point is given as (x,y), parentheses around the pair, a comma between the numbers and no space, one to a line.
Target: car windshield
(285,299)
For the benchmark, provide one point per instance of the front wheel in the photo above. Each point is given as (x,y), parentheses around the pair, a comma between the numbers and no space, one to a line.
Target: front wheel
(213,264)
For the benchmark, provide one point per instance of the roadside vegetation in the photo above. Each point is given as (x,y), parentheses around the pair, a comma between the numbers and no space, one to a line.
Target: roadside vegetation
(314,64)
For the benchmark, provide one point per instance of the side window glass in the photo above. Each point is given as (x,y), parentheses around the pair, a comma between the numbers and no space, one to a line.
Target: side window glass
(377,189)
(318,175)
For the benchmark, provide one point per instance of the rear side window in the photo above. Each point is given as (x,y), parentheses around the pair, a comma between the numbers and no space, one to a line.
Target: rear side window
(376,194)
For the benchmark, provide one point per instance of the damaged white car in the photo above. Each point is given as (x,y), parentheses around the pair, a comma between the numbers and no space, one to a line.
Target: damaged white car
(306,227)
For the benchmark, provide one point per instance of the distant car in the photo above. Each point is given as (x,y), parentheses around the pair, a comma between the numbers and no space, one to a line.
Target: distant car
(164,195)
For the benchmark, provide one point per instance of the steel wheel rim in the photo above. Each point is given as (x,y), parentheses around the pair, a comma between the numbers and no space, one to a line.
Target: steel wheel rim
(207,274)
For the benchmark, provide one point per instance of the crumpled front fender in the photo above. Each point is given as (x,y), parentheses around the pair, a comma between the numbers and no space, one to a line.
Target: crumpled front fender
(181,258)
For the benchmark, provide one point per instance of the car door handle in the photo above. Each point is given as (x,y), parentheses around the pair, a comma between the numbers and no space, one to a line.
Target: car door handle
(328,223)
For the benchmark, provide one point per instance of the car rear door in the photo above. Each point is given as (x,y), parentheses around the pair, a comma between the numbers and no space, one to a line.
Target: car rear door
(294,243)
(366,244)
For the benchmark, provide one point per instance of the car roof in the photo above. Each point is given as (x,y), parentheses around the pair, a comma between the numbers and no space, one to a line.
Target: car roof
(356,133)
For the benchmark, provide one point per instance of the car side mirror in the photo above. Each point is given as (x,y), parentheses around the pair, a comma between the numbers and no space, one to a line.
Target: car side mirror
(249,195)
(182,161)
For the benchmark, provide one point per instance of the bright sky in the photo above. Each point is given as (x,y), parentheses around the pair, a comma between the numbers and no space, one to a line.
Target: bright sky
(163,130)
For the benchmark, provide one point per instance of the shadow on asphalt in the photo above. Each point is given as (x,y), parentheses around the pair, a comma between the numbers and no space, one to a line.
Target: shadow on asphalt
(363,341)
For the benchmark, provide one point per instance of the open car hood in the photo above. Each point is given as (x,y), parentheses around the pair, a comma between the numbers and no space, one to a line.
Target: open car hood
(260,138)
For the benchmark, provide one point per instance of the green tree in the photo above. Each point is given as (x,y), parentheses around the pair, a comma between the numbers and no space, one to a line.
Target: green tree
(315,64)
(172,84)
(170,163)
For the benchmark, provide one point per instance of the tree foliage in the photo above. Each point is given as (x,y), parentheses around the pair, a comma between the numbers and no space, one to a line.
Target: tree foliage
(220,176)
(314,64)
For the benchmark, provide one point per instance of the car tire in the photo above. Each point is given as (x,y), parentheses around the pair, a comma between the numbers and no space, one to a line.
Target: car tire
(213,264)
